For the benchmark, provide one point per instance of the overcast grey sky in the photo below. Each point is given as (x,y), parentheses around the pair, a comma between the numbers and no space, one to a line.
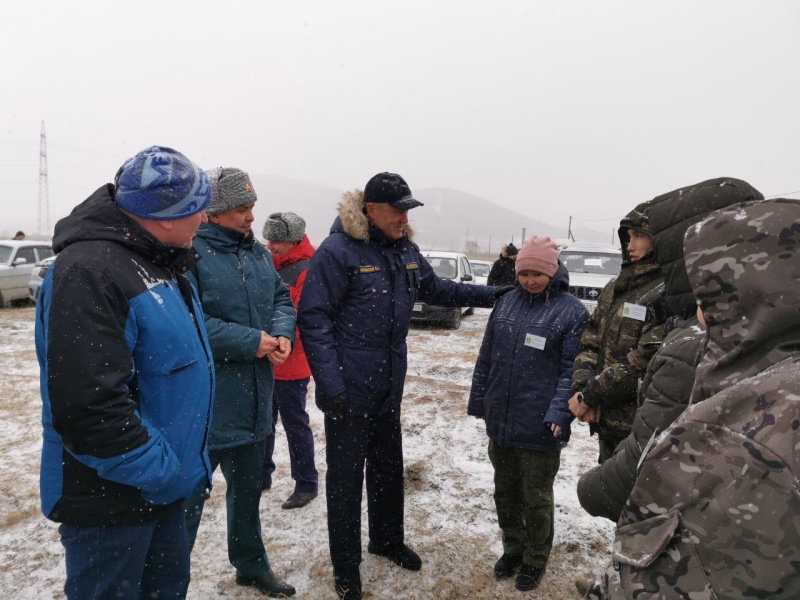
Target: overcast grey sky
(551,108)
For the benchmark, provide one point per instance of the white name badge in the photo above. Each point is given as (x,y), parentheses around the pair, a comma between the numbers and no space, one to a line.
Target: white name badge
(535,341)
(634,311)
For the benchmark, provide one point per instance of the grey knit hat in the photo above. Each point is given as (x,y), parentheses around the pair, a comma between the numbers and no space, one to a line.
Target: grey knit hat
(284,227)
(230,188)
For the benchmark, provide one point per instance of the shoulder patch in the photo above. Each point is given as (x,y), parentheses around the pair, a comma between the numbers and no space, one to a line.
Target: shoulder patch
(411,266)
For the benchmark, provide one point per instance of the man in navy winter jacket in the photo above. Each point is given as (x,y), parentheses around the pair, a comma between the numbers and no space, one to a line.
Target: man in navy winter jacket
(354,316)
(126,381)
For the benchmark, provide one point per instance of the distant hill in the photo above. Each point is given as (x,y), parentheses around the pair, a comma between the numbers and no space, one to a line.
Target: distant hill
(449,219)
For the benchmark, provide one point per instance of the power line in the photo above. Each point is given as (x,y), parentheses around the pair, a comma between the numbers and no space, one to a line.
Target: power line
(782,194)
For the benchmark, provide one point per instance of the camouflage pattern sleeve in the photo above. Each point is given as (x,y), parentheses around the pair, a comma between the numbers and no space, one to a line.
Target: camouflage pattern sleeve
(618,383)
(714,511)
(585,367)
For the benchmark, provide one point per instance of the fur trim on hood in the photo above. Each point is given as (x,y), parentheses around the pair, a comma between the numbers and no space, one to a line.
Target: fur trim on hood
(353,217)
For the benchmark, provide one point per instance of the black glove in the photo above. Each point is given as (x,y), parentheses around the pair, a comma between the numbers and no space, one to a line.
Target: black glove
(503,289)
(334,407)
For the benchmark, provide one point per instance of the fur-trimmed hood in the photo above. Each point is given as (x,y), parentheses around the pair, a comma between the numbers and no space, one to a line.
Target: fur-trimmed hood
(353,219)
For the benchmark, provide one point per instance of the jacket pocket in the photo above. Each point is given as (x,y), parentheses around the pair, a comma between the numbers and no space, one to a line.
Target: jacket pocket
(639,544)
(658,556)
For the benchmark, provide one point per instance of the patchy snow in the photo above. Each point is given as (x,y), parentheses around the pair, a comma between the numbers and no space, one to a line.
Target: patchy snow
(450,517)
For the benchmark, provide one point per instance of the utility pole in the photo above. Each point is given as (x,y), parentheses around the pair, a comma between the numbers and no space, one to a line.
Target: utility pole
(44,195)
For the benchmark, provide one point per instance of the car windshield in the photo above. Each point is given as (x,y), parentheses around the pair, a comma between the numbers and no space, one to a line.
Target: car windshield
(480,270)
(444,267)
(5,254)
(591,262)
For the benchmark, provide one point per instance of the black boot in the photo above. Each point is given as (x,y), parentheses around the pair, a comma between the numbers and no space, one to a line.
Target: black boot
(529,578)
(266,583)
(507,565)
(298,500)
(399,554)
(347,583)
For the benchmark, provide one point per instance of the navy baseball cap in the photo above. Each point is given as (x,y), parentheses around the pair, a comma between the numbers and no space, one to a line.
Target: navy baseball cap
(391,189)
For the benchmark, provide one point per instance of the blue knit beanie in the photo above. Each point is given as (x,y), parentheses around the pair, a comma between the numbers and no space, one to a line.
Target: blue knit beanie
(162,184)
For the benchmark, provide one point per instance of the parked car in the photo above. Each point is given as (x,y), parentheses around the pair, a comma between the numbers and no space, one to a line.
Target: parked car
(480,271)
(37,276)
(591,267)
(448,265)
(16,259)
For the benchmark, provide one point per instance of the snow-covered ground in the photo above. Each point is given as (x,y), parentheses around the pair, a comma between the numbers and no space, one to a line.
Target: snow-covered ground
(450,518)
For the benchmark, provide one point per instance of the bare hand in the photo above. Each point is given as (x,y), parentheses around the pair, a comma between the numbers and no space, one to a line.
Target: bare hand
(578,409)
(555,429)
(266,345)
(281,353)
(592,415)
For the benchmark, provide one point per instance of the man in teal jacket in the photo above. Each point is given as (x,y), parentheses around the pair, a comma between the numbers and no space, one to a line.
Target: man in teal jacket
(250,321)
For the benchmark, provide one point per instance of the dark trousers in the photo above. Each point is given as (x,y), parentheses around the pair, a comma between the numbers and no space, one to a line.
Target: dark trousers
(241,467)
(353,442)
(289,399)
(523,496)
(144,560)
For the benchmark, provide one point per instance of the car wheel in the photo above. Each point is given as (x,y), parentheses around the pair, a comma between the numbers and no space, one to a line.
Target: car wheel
(455,321)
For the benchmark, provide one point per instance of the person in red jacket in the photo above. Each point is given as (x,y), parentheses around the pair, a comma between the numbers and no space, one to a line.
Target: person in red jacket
(291,250)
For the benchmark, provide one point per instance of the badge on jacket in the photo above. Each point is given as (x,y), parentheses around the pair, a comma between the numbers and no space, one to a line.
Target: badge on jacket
(535,341)
(634,311)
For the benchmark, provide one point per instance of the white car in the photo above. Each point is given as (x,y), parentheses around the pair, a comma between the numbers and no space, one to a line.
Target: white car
(591,267)
(37,277)
(448,265)
(16,259)
(480,271)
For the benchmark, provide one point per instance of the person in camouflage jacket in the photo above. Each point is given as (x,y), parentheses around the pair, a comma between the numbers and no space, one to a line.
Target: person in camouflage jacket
(667,384)
(620,338)
(714,512)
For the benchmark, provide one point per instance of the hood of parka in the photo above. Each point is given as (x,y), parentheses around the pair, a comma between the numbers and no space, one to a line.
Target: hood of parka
(353,220)
(98,218)
(638,220)
(671,214)
(743,264)
(634,274)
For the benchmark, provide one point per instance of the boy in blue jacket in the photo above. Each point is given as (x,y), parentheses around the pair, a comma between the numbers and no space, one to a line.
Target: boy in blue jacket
(520,387)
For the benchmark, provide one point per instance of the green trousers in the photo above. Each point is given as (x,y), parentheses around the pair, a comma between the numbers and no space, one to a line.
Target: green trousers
(523,497)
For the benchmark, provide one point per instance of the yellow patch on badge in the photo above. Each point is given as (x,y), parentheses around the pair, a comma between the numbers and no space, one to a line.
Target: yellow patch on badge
(412,266)
(369,269)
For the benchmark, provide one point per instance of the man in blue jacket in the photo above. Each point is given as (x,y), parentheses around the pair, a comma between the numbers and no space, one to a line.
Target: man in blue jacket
(251,326)
(126,381)
(354,316)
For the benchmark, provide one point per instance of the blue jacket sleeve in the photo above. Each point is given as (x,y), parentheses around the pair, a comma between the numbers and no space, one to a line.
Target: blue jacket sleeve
(480,374)
(559,412)
(324,290)
(229,341)
(284,316)
(443,292)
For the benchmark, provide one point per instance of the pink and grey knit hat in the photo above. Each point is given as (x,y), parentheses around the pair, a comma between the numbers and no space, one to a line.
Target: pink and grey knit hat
(538,254)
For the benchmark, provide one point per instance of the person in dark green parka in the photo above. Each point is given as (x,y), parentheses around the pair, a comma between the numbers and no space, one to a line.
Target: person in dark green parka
(250,321)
